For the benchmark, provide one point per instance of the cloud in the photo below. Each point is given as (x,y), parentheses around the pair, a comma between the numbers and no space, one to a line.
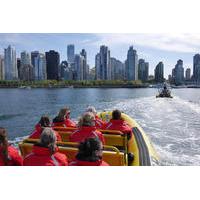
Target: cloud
(177,42)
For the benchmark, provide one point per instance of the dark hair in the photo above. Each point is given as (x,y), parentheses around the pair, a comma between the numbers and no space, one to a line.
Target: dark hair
(88,150)
(4,143)
(44,121)
(116,114)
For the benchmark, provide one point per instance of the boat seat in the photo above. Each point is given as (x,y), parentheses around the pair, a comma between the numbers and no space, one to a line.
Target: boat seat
(64,129)
(111,154)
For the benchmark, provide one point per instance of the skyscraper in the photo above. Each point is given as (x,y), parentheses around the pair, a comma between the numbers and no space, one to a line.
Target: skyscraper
(196,68)
(34,54)
(159,72)
(78,62)
(178,73)
(85,65)
(132,64)
(19,67)
(10,64)
(2,70)
(188,74)
(70,53)
(97,66)
(105,68)
(53,64)
(40,67)
(143,70)
(26,69)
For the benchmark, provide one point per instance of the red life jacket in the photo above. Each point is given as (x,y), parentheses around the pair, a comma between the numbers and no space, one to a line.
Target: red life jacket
(87,163)
(119,125)
(14,159)
(38,131)
(86,132)
(42,156)
(99,123)
(66,123)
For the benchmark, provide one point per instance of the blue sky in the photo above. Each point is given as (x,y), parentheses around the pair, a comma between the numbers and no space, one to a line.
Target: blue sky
(166,47)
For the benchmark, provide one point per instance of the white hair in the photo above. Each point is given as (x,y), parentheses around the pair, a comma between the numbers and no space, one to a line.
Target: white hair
(91,109)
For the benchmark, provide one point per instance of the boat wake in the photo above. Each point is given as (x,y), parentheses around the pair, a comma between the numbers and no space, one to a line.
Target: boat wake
(172,125)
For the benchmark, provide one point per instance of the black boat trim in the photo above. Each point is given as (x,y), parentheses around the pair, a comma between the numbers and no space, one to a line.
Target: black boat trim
(144,157)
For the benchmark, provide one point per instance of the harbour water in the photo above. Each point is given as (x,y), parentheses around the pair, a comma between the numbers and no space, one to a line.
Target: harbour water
(173,125)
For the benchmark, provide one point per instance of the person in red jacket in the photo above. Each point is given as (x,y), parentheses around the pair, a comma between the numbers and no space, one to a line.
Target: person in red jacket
(90,154)
(99,123)
(44,122)
(63,119)
(45,153)
(86,129)
(117,123)
(9,156)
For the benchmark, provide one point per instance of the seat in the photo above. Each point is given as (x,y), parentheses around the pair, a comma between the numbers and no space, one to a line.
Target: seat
(111,154)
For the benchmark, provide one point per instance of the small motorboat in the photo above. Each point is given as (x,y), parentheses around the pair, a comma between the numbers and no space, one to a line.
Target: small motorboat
(164,92)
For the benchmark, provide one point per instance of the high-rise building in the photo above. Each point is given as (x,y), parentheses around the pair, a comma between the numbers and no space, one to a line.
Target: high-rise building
(53,65)
(97,66)
(78,62)
(2,70)
(178,73)
(103,64)
(26,69)
(143,70)
(19,67)
(196,68)
(10,64)
(85,65)
(34,54)
(188,74)
(40,67)
(132,64)
(117,69)
(159,72)
(70,53)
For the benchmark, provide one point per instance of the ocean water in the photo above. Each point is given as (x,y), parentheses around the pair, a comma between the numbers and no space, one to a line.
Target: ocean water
(173,125)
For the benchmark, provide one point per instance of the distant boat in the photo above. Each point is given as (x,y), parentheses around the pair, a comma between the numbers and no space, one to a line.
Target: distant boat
(164,92)
(71,86)
(25,87)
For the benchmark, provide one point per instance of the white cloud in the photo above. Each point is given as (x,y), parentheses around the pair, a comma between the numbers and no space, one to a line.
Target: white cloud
(177,42)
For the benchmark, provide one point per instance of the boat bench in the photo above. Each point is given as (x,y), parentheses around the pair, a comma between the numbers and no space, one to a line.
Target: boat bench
(111,154)
(112,138)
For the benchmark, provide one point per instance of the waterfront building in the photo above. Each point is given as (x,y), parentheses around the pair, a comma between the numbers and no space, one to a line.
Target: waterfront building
(178,73)
(26,69)
(159,72)
(52,65)
(117,69)
(92,74)
(188,74)
(2,70)
(83,53)
(34,54)
(18,67)
(102,64)
(196,68)
(143,70)
(10,64)
(40,68)
(70,53)
(97,66)
(78,63)
(132,64)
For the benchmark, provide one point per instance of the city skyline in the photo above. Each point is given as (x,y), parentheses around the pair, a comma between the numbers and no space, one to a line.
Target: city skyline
(154,48)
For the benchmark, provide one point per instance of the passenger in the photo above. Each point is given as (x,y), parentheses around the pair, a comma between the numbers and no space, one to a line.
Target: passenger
(86,129)
(9,156)
(117,123)
(45,153)
(90,154)
(63,119)
(44,122)
(98,122)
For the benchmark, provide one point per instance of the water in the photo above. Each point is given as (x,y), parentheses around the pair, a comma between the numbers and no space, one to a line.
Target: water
(172,124)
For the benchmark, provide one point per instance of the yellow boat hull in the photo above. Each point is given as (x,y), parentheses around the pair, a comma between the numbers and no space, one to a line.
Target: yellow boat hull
(139,145)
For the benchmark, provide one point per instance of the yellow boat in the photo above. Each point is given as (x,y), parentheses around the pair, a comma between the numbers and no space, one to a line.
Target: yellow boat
(118,146)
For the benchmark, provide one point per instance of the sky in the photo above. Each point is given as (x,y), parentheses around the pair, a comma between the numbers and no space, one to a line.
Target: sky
(153,47)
